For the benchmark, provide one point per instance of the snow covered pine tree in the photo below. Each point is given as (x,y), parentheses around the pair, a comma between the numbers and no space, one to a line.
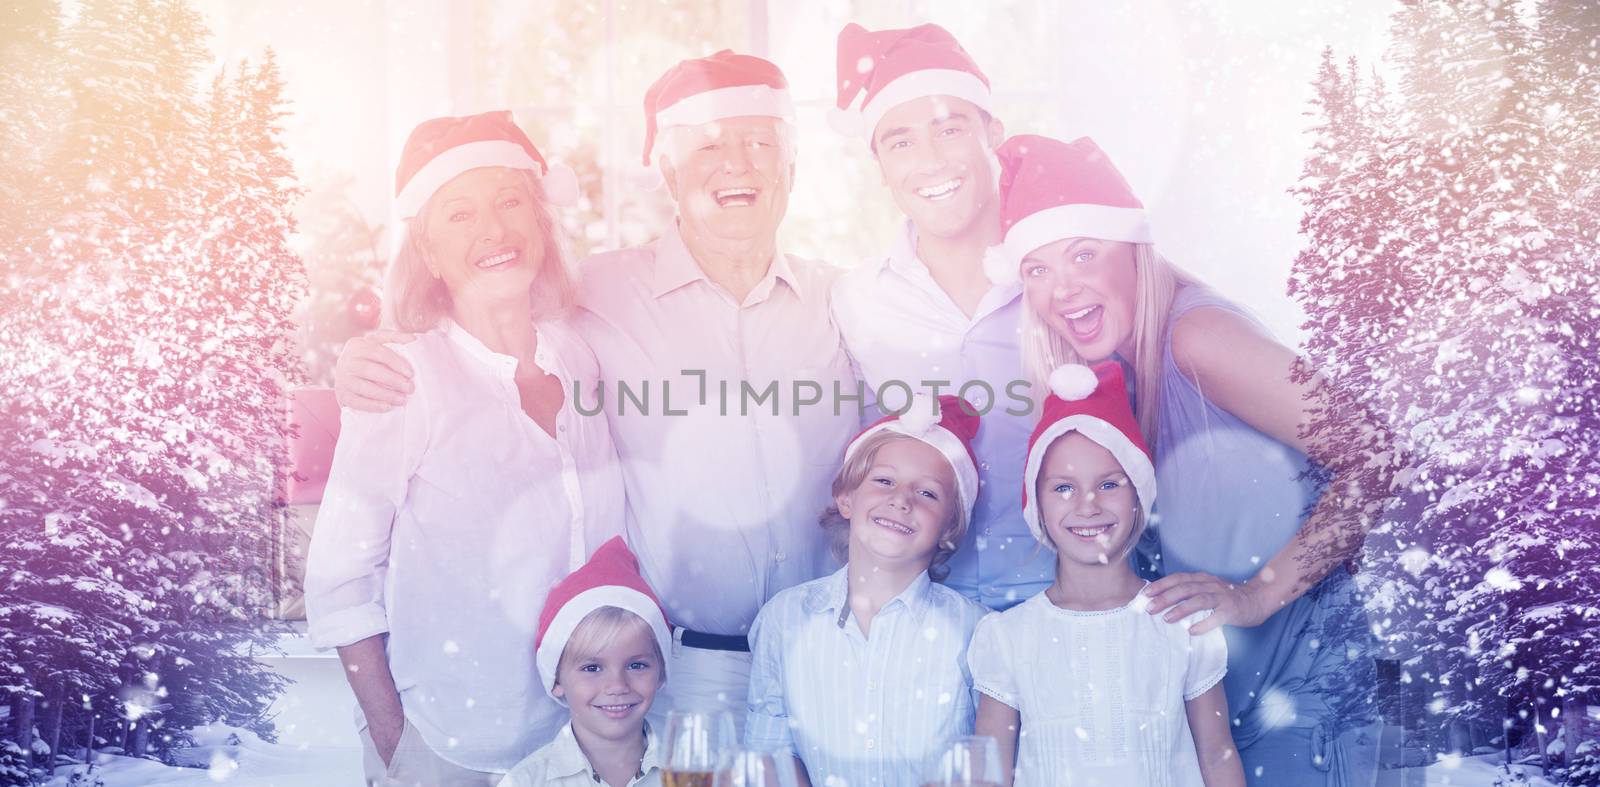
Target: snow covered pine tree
(1451,285)
(146,343)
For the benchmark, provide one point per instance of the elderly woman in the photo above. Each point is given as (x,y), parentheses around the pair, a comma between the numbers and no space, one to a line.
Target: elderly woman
(446,520)
(1243,527)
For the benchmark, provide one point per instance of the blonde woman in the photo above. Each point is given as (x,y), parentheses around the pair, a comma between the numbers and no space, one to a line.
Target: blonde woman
(447,519)
(1244,530)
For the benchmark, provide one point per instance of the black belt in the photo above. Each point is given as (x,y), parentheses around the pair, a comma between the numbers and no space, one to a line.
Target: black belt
(704,641)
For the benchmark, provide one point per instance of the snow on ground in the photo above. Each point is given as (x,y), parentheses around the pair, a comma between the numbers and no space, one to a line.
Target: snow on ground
(1478,771)
(317,743)
(250,764)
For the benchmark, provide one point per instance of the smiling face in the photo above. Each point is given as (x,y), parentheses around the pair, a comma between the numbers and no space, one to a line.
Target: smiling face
(937,158)
(483,236)
(1088,506)
(730,178)
(1085,290)
(904,506)
(609,674)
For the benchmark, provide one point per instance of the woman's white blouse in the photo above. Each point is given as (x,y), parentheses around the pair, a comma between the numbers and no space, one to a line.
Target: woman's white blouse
(1101,694)
(445,523)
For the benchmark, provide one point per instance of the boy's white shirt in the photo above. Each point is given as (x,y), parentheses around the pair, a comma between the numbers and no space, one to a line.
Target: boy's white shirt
(855,708)
(561,763)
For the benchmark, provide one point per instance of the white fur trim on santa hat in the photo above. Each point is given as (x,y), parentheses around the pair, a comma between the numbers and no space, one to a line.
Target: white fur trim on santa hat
(1001,267)
(945,442)
(453,162)
(1128,225)
(566,621)
(1073,382)
(1134,462)
(845,122)
(727,102)
(919,84)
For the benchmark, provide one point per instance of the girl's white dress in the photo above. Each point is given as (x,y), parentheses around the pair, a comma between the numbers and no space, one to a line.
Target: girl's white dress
(1101,694)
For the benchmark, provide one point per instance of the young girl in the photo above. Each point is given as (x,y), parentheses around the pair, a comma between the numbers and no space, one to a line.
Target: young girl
(861,675)
(602,646)
(1079,684)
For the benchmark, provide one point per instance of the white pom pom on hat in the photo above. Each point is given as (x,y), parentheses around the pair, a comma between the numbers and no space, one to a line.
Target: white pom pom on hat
(560,185)
(921,415)
(1000,267)
(1073,382)
(1094,403)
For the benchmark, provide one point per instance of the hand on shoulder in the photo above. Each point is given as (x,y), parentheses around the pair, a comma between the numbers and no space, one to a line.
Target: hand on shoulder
(371,376)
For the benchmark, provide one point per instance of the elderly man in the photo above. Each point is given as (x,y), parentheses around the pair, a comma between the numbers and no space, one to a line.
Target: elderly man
(724,500)
(720,367)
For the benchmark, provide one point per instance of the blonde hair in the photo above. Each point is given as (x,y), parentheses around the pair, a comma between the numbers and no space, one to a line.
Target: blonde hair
(414,299)
(850,476)
(598,630)
(1157,282)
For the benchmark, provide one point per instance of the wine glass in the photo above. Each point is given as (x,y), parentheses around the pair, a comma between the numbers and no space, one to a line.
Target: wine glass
(750,768)
(697,742)
(969,761)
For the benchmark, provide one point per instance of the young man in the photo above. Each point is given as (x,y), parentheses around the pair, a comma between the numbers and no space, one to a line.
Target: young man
(926,313)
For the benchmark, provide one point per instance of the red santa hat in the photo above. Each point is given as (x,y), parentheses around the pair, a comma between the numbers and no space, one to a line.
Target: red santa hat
(880,70)
(705,89)
(949,424)
(611,578)
(440,149)
(1094,403)
(1050,190)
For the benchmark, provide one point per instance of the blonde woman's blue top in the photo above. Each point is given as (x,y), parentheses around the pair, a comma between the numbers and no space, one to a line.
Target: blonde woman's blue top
(1231,497)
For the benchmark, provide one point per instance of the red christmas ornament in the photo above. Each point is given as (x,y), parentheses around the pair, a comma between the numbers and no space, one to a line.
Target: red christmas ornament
(364,307)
